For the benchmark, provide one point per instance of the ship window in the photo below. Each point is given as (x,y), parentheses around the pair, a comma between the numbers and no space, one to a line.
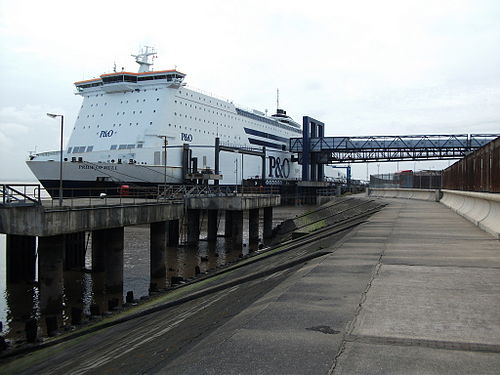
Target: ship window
(154,110)
(130,146)
(90,148)
(157,99)
(151,123)
(69,150)
(113,147)
(122,147)
(139,145)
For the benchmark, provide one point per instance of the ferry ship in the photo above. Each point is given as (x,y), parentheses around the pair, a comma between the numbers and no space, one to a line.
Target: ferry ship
(133,128)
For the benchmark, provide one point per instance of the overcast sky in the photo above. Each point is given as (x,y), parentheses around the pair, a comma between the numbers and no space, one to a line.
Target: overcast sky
(362,67)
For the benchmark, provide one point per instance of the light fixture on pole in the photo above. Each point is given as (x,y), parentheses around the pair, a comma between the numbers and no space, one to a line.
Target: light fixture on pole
(53,115)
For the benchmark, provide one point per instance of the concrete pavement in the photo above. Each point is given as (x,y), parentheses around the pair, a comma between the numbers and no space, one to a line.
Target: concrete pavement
(415,290)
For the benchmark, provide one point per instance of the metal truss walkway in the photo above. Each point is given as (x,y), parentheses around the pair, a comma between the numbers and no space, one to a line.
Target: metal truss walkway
(388,148)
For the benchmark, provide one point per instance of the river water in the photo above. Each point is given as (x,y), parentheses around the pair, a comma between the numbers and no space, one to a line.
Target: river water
(19,302)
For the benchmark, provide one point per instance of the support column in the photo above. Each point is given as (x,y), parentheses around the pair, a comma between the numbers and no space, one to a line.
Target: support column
(237,229)
(253,225)
(74,257)
(158,258)
(173,233)
(51,279)
(213,216)
(193,227)
(227,224)
(107,258)
(268,222)
(21,258)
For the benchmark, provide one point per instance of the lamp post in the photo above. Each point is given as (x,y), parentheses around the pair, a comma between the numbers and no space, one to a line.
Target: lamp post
(53,115)
(165,142)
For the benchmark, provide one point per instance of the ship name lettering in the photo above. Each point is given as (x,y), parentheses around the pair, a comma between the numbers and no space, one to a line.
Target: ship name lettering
(97,167)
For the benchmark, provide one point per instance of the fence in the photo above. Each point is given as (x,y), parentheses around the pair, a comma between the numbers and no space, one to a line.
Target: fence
(478,171)
(407,179)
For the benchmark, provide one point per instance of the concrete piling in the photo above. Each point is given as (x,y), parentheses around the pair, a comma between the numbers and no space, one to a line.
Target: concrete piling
(237,229)
(253,225)
(21,257)
(213,216)
(51,279)
(193,226)
(107,258)
(227,224)
(268,222)
(158,255)
(74,257)
(173,232)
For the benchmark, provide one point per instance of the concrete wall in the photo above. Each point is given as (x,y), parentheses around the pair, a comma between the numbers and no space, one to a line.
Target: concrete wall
(483,209)
(420,194)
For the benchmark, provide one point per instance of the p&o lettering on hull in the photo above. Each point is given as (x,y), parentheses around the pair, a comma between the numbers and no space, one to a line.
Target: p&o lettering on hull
(279,168)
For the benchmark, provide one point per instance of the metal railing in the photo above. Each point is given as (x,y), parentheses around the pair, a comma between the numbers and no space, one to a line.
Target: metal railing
(20,194)
(81,198)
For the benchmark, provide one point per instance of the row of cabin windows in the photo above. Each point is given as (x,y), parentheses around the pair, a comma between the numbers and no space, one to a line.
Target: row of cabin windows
(80,149)
(114,125)
(218,103)
(259,119)
(205,121)
(204,131)
(117,113)
(125,147)
(125,93)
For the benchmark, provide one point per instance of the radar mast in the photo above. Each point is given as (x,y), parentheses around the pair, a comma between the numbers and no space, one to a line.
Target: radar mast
(143,59)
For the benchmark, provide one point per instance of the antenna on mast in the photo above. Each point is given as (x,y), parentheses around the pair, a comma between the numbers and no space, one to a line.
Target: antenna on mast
(277,100)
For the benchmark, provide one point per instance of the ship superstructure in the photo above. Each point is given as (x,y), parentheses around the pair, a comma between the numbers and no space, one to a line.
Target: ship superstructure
(125,118)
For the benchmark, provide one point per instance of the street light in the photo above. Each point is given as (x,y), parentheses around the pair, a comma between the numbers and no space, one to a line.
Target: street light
(53,115)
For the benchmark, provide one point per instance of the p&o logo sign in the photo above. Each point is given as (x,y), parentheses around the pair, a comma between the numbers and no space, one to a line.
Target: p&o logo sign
(106,133)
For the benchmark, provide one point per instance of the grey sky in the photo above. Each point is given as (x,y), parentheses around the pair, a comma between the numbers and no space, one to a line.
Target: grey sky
(362,67)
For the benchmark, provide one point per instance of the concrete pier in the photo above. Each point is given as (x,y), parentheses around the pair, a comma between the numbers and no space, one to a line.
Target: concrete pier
(107,258)
(253,225)
(213,221)
(21,257)
(268,222)
(158,255)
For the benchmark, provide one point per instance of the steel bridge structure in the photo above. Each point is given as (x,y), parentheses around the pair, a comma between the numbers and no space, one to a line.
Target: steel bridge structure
(338,150)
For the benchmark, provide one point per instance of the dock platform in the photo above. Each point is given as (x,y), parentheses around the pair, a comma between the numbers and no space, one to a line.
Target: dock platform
(415,290)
